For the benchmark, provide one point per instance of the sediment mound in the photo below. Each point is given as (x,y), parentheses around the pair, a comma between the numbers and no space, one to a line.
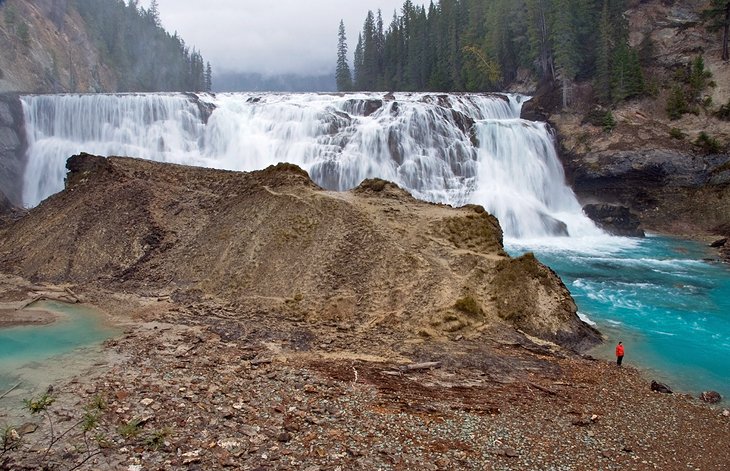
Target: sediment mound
(273,242)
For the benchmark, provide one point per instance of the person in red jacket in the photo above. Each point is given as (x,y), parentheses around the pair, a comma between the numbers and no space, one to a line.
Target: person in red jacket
(619,353)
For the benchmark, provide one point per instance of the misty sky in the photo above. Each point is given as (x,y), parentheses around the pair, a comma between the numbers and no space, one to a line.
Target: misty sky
(270,36)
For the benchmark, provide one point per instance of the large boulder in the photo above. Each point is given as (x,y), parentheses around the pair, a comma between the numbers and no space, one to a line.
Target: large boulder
(615,219)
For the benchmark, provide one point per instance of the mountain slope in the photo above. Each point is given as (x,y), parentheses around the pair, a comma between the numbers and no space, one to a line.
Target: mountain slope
(52,46)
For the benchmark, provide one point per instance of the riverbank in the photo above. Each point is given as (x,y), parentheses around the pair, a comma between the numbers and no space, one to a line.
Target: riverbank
(16,318)
(201,389)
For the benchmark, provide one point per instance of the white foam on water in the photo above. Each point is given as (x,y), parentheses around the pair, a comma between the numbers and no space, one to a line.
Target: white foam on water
(453,149)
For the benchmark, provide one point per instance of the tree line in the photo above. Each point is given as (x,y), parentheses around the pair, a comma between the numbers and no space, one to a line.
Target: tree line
(143,55)
(474,45)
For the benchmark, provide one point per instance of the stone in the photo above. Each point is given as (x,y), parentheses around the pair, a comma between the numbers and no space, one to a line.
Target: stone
(146,401)
(711,397)
(719,243)
(726,413)
(660,387)
(26,428)
(191,457)
(615,219)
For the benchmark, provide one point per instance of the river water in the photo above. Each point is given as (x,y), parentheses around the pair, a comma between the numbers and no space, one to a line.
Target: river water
(657,295)
(30,354)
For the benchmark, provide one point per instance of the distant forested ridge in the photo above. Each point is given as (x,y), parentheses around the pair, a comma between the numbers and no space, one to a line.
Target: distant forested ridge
(473,45)
(144,56)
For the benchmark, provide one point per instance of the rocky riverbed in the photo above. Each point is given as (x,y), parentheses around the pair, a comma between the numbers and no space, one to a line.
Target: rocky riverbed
(197,389)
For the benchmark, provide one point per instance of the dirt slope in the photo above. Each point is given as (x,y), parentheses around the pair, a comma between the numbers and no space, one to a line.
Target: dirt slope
(273,241)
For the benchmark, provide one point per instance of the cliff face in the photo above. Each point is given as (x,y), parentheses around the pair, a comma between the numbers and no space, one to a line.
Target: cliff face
(648,162)
(12,148)
(272,241)
(46,48)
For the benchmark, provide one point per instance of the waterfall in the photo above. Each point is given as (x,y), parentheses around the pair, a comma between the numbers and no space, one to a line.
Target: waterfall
(454,149)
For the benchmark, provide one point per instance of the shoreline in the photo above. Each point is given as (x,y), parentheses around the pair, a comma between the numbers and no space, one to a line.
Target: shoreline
(274,406)
(10,318)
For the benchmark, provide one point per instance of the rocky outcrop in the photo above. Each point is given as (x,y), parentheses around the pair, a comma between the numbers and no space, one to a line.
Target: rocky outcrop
(12,148)
(631,153)
(668,190)
(614,219)
(272,241)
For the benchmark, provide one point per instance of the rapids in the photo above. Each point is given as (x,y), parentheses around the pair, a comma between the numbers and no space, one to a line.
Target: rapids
(453,149)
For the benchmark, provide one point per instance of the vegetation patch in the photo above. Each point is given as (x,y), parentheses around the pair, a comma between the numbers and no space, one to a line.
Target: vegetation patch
(707,143)
(468,305)
(475,231)
(515,288)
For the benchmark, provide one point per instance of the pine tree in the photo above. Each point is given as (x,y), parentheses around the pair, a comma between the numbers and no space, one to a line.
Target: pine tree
(208,78)
(154,12)
(539,34)
(358,64)
(564,45)
(369,53)
(342,72)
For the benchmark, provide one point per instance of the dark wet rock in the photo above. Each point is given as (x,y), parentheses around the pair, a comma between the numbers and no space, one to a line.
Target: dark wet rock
(205,109)
(615,219)
(554,226)
(711,397)
(719,243)
(547,99)
(362,107)
(667,188)
(660,387)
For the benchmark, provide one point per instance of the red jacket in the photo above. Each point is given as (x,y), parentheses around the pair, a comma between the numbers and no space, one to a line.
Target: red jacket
(619,350)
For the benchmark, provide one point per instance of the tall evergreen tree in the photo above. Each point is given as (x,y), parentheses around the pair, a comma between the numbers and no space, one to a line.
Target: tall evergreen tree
(208,78)
(358,65)
(564,45)
(603,55)
(342,72)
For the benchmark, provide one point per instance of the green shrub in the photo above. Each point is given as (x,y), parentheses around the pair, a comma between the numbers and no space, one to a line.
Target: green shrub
(707,143)
(468,305)
(608,122)
(724,112)
(677,133)
(677,103)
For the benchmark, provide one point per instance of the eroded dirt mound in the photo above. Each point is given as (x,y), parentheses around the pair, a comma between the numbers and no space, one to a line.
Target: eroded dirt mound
(273,243)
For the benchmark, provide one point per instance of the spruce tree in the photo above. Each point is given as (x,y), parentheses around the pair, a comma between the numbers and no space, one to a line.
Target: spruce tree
(358,64)
(342,72)
(564,45)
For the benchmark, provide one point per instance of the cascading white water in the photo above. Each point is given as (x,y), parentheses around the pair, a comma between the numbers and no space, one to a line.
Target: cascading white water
(454,149)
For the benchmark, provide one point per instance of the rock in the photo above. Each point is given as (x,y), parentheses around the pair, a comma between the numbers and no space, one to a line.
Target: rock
(506,451)
(617,220)
(660,387)
(726,413)
(191,456)
(146,401)
(26,428)
(719,243)
(711,397)
(284,437)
